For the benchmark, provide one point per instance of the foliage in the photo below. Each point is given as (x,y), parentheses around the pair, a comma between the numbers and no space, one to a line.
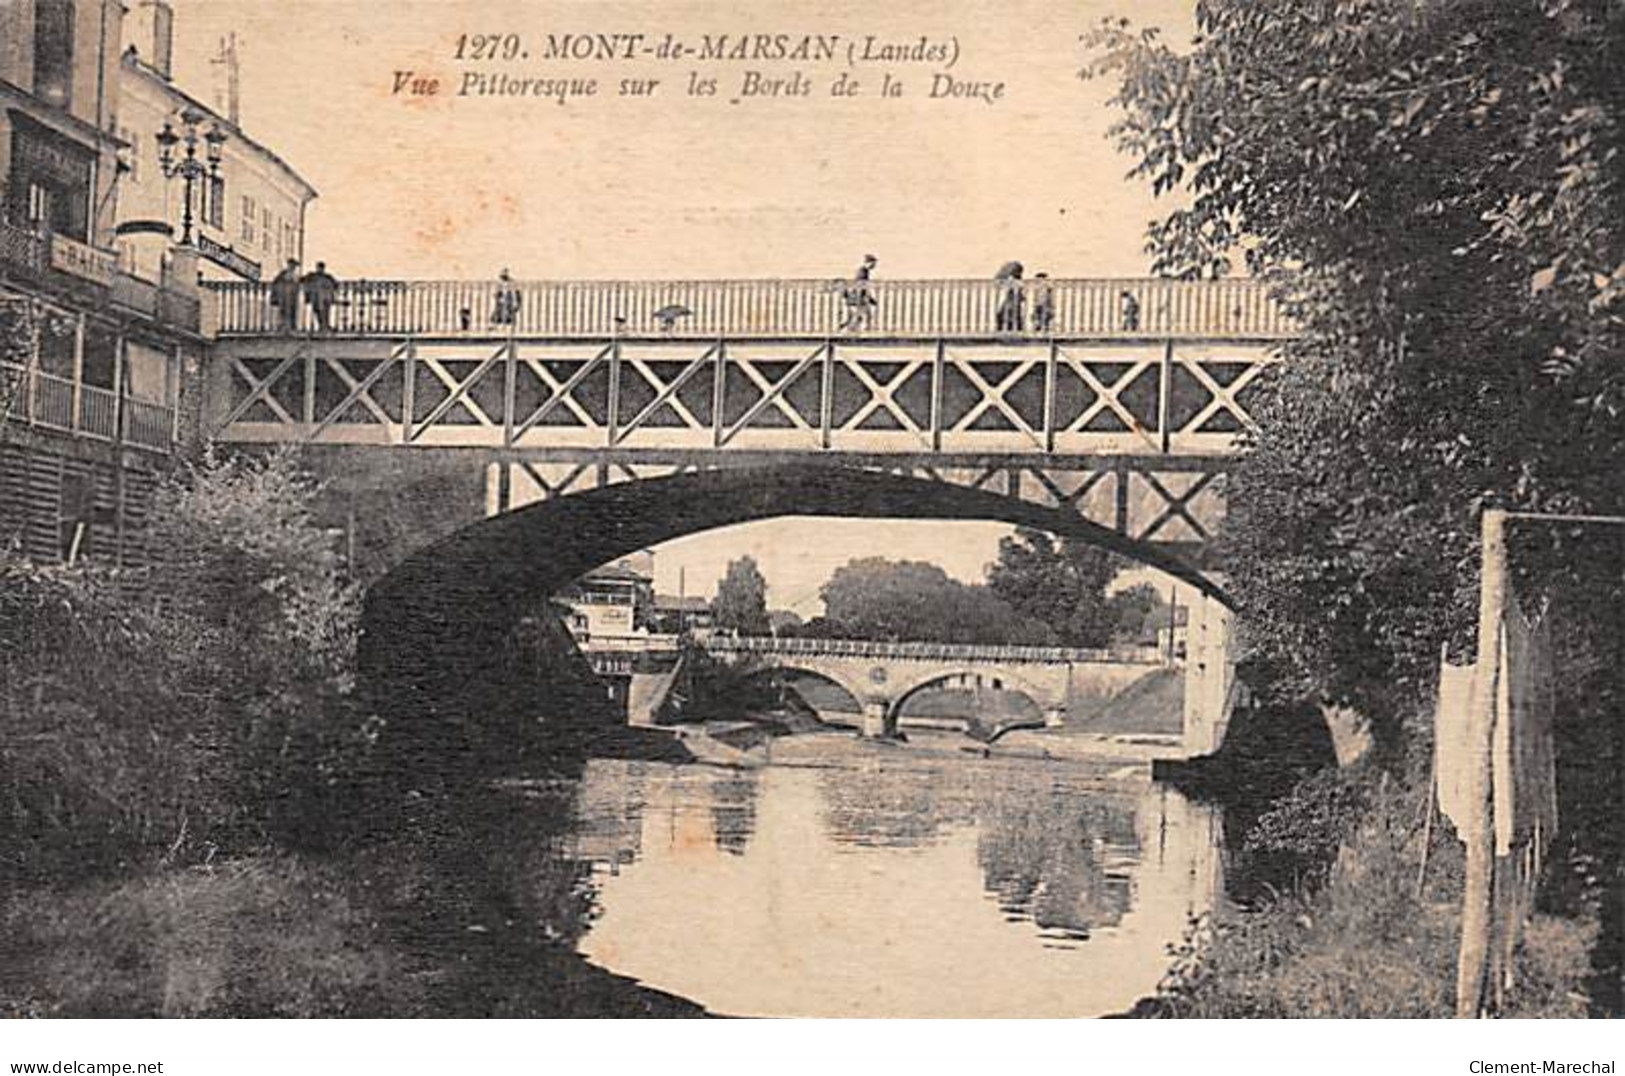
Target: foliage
(16,351)
(256,937)
(1437,189)
(204,704)
(912,601)
(1062,583)
(741,602)
(1366,943)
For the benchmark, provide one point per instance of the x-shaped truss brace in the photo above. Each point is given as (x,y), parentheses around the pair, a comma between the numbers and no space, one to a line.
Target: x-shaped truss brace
(1108,397)
(359,391)
(993,396)
(884,396)
(561,393)
(1175,504)
(457,392)
(666,392)
(259,391)
(772,394)
(1222,397)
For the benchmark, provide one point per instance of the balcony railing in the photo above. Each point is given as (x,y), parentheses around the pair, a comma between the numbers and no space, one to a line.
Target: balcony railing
(1130,308)
(56,403)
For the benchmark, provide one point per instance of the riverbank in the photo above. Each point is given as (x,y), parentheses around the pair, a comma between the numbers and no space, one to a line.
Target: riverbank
(449,923)
(1372,935)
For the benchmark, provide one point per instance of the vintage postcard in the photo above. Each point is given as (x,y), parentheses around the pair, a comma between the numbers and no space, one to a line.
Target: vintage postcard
(617,508)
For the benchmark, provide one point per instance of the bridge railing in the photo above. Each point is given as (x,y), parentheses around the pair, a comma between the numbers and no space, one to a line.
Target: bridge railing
(859,648)
(1129,308)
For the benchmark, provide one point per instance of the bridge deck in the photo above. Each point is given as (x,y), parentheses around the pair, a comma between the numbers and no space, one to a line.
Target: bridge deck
(773,309)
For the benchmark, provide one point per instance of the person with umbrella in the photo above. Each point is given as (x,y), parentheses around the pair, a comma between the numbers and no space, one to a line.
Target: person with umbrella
(1009,316)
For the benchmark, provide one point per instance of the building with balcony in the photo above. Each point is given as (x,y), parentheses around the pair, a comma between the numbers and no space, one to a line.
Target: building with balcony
(612,604)
(248,213)
(96,360)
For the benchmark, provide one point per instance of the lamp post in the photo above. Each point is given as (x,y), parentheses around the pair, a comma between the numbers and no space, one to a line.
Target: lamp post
(187,164)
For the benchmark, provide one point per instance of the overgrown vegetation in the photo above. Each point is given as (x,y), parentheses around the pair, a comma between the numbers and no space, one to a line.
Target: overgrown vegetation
(1436,190)
(203,707)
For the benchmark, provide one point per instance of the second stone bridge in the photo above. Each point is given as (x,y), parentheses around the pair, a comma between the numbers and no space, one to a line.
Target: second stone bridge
(882,677)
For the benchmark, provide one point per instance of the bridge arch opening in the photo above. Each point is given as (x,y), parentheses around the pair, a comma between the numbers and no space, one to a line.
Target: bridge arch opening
(440,616)
(834,700)
(999,696)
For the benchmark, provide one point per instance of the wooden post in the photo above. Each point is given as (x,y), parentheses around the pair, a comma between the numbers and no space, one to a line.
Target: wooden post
(1479,832)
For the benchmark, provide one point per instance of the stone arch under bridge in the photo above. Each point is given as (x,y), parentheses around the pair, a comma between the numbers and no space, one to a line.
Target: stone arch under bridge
(440,617)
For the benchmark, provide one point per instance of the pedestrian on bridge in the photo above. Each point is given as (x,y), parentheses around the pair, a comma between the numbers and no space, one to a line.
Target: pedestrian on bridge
(1009,316)
(1129,307)
(860,301)
(285,296)
(505,309)
(320,289)
(1043,304)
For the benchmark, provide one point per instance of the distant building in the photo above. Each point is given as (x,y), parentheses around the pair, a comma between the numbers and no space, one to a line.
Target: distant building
(248,220)
(674,614)
(614,602)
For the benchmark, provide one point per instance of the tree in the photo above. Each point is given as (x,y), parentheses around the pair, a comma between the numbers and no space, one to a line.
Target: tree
(912,601)
(1138,613)
(1436,190)
(1061,583)
(741,603)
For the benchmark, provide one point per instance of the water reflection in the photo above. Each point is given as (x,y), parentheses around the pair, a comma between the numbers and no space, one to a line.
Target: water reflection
(894,887)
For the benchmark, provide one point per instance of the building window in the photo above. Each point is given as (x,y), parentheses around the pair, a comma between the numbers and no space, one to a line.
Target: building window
(248,219)
(53,51)
(290,240)
(267,229)
(214,202)
(50,180)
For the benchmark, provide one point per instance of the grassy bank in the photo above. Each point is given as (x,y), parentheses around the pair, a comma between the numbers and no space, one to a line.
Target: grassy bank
(472,914)
(1367,935)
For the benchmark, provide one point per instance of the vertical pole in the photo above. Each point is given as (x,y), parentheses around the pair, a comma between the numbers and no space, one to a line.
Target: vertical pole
(613,406)
(719,393)
(1478,833)
(826,395)
(409,379)
(937,368)
(1164,392)
(509,387)
(1049,395)
(309,414)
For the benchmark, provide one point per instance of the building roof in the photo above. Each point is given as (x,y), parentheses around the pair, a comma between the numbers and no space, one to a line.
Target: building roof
(689,603)
(134,62)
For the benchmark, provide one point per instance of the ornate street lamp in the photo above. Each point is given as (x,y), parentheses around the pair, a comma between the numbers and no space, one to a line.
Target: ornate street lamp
(187,165)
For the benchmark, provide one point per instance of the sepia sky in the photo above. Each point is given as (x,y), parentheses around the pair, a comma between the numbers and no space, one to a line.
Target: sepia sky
(673,186)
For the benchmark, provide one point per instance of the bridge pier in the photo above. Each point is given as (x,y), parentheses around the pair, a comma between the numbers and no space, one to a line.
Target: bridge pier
(1210,673)
(878,720)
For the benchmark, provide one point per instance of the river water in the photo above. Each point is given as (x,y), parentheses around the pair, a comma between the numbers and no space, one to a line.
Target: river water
(892,881)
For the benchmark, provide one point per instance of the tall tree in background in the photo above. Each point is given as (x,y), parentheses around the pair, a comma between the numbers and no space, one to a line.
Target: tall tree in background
(912,601)
(741,603)
(1438,190)
(1059,582)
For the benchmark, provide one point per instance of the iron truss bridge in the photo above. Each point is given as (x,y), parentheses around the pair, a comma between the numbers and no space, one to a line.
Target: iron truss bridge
(1123,406)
